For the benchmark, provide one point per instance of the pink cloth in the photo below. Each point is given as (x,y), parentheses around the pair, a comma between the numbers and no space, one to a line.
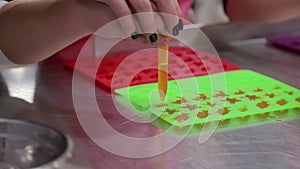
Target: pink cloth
(185,6)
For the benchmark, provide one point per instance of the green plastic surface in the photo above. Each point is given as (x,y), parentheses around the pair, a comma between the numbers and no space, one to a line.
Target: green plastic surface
(248,97)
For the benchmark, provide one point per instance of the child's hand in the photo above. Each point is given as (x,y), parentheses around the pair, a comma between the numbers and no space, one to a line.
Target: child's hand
(146,23)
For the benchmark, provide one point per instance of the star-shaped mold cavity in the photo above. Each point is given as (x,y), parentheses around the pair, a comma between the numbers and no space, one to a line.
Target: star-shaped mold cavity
(191,107)
(243,108)
(170,111)
(200,97)
(251,97)
(258,89)
(232,100)
(276,87)
(223,111)
(289,92)
(239,92)
(202,114)
(180,100)
(262,105)
(211,104)
(161,105)
(281,102)
(183,117)
(270,95)
(220,94)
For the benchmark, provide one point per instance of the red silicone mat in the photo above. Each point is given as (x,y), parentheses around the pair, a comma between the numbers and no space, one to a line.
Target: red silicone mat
(134,68)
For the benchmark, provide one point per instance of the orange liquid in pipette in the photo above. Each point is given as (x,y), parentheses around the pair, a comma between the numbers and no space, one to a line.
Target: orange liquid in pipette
(163,70)
(163,84)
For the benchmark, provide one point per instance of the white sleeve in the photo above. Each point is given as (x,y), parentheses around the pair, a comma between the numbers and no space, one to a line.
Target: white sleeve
(210,11)
(3,59)
(2,3)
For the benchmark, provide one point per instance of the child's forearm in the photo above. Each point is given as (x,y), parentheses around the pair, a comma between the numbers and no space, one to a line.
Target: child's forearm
(33,30)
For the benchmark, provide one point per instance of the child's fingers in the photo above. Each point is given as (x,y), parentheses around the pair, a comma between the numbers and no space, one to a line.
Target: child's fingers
(172,21)
(146,20)
(121,9)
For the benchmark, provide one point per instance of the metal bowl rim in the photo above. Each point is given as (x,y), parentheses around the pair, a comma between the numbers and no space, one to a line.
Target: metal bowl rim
(61,159)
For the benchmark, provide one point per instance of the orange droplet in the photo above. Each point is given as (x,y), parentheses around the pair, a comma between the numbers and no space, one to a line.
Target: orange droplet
(200,97)
(281,102)
(223,111)
(182,117)
(298,99)
(170,111)
(240,92)
(252,97)
(258,90)
(290,92)
(276,87)
(190,107)
(203,114)
(271,95)
(232,100)
(262,105)
(180,101)
(243,108)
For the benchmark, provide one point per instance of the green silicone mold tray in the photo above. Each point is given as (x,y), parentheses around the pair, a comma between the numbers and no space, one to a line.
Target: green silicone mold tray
(247,96)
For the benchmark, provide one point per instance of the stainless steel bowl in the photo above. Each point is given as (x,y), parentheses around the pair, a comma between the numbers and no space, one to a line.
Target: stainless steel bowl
(27,145)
